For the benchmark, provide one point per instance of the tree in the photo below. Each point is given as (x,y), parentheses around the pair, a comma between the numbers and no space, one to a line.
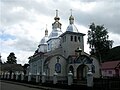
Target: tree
(11,59)
(98,40)
(0,59)
(25,66)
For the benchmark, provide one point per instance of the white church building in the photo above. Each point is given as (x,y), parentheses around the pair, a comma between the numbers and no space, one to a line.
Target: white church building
(63,52)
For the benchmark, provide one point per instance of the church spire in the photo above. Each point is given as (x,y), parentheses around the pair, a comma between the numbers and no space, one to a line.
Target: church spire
(46,31)
(71,18)
(56,17)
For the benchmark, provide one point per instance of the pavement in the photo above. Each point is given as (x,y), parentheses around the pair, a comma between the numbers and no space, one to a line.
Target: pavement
(38,86)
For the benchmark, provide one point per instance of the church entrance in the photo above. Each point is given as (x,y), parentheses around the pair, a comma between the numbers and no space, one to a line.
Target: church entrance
(82,72)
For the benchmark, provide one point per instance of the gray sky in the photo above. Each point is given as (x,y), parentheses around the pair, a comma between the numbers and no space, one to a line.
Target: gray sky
(23,22)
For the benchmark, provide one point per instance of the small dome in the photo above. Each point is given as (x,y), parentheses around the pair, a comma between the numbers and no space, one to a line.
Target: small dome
(72,28)
(44,40)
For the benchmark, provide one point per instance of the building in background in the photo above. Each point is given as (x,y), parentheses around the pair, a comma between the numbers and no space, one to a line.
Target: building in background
(11,68)
(111,69)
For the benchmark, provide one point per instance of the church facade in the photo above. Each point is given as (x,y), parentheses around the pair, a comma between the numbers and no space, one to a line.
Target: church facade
(63,52)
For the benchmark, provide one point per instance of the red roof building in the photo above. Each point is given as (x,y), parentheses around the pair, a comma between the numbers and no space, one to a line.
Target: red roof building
(111,69)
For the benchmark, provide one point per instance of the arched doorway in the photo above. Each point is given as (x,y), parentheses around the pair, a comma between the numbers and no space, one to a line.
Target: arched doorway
(82,72)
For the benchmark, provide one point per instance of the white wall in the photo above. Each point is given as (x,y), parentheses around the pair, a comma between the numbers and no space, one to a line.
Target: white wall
(52,63)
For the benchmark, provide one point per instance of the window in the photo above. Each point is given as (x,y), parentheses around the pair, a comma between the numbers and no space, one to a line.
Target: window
(93,69)
(57,59)
(58,68)
(48,46)
(71,38)
(64,53)
(75,39)
(65,38)
(79,39)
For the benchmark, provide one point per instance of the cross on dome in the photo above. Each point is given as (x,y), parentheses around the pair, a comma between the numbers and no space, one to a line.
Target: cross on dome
(56,13)
(71,11)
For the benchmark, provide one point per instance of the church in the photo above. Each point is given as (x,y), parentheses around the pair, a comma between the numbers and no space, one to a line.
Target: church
(63,52)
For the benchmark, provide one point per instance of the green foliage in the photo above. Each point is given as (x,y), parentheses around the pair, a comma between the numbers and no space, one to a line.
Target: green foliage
(11,59)
(98,40)
(112,55)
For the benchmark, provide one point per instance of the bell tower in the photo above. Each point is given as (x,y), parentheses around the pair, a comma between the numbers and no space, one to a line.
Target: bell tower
(72,39)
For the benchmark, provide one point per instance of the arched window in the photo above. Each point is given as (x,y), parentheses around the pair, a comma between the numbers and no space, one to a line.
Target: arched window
(75,39)
(93,69)
(71,38)
(48,46)
(65,38)
(79,39)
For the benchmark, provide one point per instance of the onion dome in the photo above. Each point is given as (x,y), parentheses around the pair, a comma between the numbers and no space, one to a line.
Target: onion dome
(55,33)
(71,27)
(45,38)
(56,27)
(71,19)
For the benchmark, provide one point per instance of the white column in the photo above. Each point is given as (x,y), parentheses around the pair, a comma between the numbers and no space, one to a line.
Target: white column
(16,75)
(70,78)
(5,75)
(37,77)
(8,75)
(55,78)
(29,77)
(43,77)
(12,75)
(75,73)
(90,79)
(2,75)
(22,76)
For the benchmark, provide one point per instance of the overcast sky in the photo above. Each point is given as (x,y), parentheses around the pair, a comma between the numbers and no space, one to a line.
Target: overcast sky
(23,22)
